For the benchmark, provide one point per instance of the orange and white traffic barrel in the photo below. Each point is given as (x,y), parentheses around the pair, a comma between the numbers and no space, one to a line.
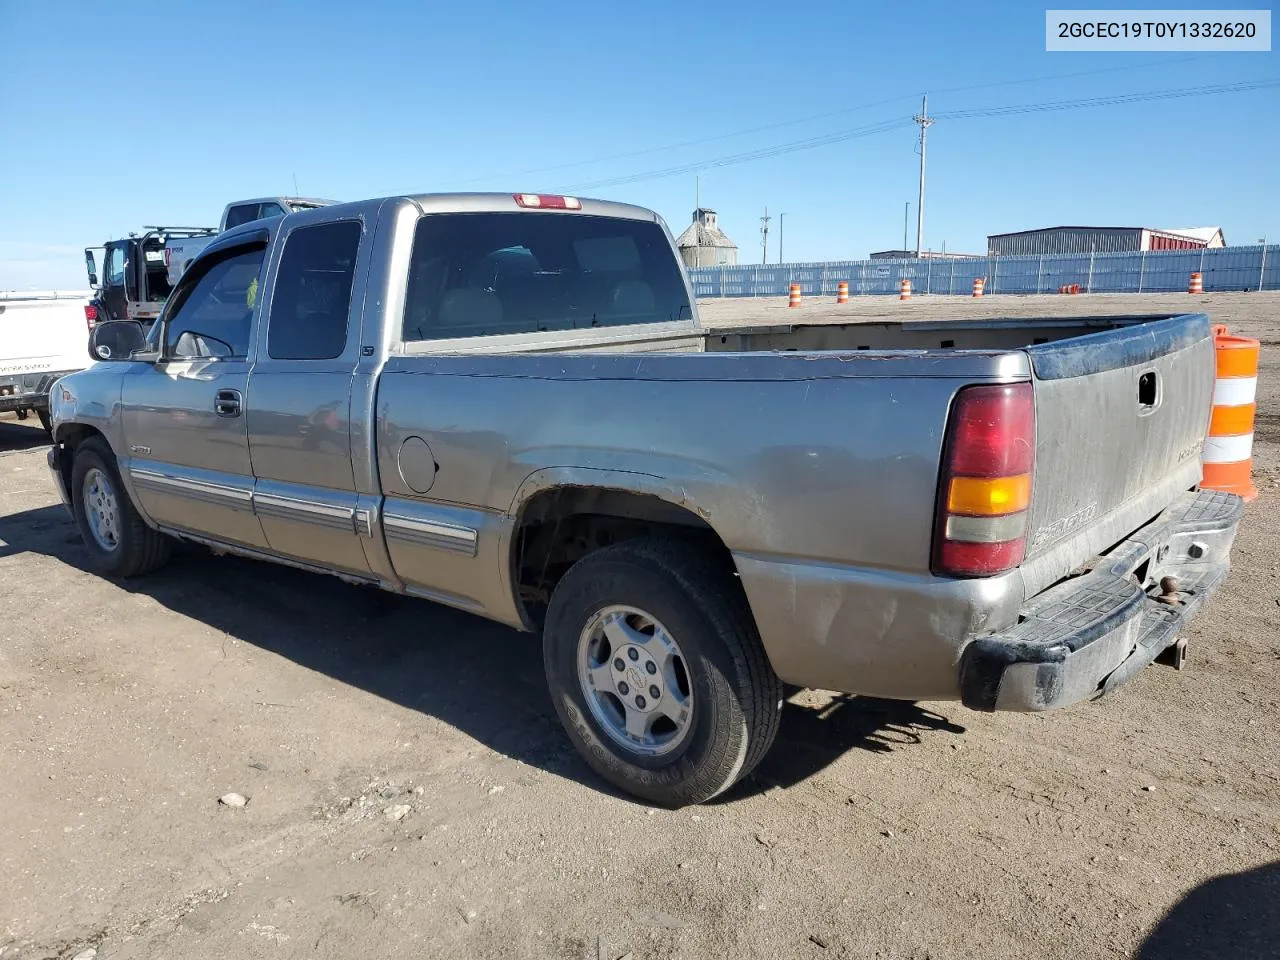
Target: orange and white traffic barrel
(842,292)
(1197,283)
(794,299)
(904,289)
(1228,449)
(979,285)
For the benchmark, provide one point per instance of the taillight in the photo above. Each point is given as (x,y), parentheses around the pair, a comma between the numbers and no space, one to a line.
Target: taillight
(547,201)
(985,491)
(90,315)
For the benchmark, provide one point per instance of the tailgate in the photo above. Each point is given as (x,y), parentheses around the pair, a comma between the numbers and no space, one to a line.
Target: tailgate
(42,333)
(1121,416)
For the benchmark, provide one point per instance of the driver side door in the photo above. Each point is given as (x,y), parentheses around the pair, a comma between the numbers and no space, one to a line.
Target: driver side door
(184,416)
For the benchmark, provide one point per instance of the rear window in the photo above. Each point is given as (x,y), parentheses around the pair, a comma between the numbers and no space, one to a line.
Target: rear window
(242,214)
(480,274)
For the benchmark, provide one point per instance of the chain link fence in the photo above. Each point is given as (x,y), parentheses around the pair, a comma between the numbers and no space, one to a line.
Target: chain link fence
(1223,269)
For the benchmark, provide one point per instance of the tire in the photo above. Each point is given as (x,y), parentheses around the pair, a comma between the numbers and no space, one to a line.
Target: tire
(46,422)
(734,698)
(137,548)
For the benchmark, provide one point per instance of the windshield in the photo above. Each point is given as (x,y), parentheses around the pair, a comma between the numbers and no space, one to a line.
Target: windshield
(478,274)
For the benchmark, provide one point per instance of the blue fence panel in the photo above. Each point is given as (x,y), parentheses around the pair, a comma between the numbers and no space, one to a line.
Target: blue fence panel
(1224,268)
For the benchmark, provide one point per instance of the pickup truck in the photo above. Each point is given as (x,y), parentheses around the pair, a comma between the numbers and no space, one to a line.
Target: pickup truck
(507,404)
(42,337)
(181,249)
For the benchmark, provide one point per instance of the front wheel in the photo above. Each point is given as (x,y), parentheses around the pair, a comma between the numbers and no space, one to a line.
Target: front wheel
(657,671)
(45,421)
(118,540)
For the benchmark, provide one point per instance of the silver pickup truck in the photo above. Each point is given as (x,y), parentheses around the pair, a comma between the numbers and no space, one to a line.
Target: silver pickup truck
(506,403)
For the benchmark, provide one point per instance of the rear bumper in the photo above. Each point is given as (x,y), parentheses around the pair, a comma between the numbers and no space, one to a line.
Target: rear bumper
(28,391)
(1087,636)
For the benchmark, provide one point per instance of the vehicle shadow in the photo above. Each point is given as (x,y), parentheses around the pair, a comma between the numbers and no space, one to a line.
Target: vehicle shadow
(480,677)
(1236,915)
(815,734)
(18,434)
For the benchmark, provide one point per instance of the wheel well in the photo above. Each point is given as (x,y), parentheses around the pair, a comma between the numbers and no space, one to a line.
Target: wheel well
(69,437)
(558,527)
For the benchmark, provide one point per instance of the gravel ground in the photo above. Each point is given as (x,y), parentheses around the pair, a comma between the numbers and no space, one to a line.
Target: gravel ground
(409,792)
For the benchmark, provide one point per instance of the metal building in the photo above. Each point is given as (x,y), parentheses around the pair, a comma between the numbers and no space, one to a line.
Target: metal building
(1059,240)
(924,255)
(704,244)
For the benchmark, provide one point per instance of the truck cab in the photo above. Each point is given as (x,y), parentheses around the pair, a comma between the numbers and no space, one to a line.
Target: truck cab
(246,211)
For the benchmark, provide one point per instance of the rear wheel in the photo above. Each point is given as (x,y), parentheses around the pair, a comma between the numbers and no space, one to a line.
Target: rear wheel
(118,541)
(657,671)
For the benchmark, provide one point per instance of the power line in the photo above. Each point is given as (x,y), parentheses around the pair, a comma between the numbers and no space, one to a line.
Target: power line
(1076,73)
(701,140)
(844,111)
(884,126)
(1107,101)
(760,154)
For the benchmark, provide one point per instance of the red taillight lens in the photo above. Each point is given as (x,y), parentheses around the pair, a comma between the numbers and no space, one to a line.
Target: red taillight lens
(547,201)
(90,315)
(993,431)
(985,490)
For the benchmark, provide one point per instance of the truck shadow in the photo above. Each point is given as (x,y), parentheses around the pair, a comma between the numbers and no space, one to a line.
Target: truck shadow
(817,730)
(18,434)
(1236,915)
(480,677)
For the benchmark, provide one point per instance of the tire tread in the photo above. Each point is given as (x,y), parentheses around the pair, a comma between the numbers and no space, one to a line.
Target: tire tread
(143,549)
(704,578)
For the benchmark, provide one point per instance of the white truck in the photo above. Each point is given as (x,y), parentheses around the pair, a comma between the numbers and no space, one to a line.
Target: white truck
(42,337)
(179,250)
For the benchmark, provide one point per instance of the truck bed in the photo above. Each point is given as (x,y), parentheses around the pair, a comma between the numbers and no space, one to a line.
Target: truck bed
(848,423)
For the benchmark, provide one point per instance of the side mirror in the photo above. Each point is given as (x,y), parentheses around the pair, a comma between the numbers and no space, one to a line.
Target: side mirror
(92,267)
(116,340)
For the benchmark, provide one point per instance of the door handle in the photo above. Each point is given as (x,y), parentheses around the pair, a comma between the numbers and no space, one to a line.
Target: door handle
(226,403)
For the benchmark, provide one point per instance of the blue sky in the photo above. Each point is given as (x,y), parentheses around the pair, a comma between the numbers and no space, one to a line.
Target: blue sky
(162,114)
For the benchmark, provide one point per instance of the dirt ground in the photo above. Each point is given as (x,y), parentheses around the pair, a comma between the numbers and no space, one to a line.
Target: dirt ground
(1147,823)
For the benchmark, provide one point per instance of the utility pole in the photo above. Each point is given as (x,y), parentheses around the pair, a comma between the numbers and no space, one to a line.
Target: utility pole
(780,216)
(925,122)
(764,237)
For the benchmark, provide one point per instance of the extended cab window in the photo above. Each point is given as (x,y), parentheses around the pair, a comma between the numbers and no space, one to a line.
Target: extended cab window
(477,274)
(313,292)
(213,316)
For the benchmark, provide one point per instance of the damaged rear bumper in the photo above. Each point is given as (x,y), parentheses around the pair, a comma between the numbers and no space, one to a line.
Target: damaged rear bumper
(1088,635)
